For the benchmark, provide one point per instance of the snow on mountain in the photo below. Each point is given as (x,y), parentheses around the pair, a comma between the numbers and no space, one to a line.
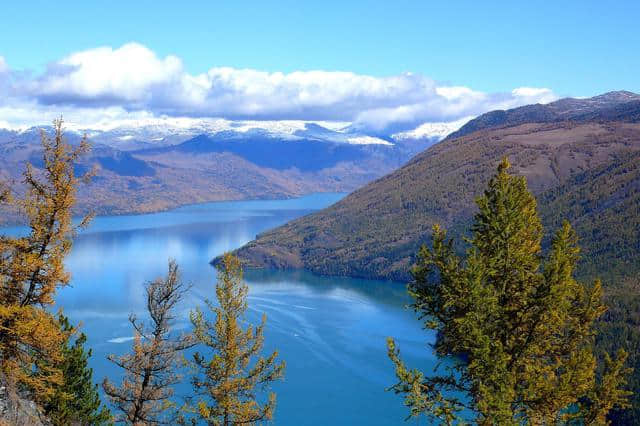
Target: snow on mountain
(367,140)
(144,133)
(140,133)
(436,131)
(191,126)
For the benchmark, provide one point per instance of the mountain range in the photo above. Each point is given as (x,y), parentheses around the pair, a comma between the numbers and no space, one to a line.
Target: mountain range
(156,164)
(612,106)
(581,158)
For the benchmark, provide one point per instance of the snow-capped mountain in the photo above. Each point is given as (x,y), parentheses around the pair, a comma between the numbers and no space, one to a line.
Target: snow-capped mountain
(151,164)
(160,132)
(432,131)
(141,134)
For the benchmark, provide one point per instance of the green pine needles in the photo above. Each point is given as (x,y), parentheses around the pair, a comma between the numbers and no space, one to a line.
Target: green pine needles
(76,401)
(519,324)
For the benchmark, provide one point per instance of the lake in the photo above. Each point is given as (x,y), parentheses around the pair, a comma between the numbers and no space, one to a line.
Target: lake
(331,331)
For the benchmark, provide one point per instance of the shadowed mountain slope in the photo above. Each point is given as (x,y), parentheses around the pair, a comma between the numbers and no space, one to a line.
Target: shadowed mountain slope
(225,165)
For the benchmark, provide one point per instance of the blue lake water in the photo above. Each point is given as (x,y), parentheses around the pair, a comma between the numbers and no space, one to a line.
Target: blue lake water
(330,331)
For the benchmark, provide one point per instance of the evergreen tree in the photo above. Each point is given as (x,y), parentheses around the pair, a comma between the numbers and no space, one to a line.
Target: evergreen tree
(76,401)
(226,383)
(521,327)
(32,268)
(144,395)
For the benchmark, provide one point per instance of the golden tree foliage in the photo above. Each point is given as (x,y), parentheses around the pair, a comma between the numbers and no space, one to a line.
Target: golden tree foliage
(32,266)
(226,383)
(143,397)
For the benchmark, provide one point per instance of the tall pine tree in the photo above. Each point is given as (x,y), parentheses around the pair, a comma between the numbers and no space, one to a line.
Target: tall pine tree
(520,325)
(226,382)
(76,401)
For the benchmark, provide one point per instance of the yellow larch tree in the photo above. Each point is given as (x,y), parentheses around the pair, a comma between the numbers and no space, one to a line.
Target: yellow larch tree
(32,267)
(231,372)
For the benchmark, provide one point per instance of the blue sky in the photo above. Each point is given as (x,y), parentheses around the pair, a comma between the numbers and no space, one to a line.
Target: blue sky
(573,48)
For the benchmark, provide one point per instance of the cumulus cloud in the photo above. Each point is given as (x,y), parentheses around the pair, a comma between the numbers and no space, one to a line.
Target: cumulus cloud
(128,75)
(132,79)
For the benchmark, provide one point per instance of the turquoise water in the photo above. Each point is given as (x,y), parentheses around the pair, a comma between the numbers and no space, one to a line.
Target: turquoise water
(330,331)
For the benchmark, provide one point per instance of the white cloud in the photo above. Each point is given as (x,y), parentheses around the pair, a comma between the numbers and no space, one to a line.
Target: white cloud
(531,92)
(104,75)
(121,339)
(453,93)
(132,81)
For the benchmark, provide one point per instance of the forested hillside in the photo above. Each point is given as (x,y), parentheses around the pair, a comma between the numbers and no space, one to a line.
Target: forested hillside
(586,172)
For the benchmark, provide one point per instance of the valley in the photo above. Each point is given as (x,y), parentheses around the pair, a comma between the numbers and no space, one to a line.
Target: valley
(584,170)
(152,168)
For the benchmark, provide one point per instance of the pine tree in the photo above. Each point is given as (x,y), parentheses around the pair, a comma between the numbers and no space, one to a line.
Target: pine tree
(76,401)
(144,395)
(32,268)
(520,326)
(227,382)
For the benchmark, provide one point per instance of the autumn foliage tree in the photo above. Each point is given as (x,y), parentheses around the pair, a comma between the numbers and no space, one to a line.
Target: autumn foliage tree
(518,327)
(144,395)
(231,372)
(32,268)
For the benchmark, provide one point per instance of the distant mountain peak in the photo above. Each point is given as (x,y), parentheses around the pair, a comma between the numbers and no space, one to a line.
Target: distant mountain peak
(610,106)
(617,96)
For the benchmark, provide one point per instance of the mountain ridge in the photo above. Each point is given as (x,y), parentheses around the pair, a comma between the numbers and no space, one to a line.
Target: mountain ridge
(161,132)
(616,105)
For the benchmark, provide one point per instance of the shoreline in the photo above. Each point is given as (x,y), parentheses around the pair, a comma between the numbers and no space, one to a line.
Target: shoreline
(18,223)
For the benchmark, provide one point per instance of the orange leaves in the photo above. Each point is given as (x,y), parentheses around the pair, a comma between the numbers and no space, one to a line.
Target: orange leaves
(31,335)
(225,380)
(32,268)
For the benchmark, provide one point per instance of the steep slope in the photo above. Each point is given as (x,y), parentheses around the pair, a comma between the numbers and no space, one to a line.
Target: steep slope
(603,205)
(587,172)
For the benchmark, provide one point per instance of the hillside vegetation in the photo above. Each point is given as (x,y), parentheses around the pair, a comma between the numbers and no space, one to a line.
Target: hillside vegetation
(585,172)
